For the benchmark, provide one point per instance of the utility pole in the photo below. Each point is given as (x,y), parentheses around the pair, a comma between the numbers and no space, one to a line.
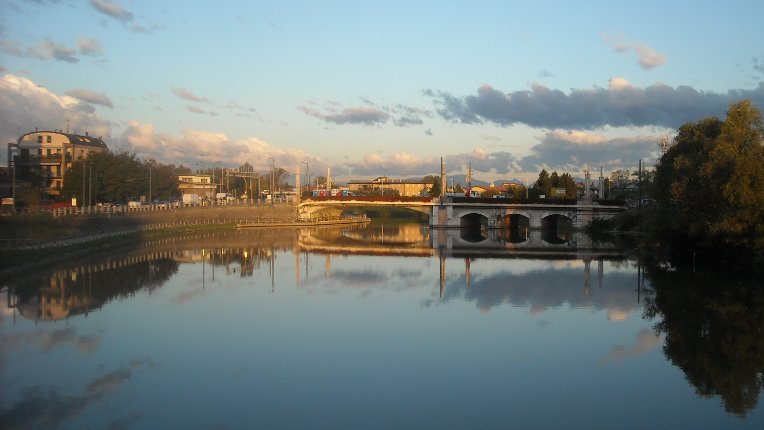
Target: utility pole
(90,184)
(150,182)
(83,185)
(640,182)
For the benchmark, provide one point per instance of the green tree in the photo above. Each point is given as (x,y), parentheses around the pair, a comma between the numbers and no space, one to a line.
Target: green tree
(712,177)
(567,182)
(435,188)
(543,184)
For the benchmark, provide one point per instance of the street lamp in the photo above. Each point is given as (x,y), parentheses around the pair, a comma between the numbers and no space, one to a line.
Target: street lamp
(272,180)
(307,175)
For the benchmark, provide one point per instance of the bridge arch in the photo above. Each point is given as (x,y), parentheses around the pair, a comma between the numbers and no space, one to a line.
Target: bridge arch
(556,228)
(473,227)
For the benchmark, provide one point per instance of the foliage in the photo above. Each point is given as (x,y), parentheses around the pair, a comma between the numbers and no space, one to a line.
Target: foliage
(435,189)
(712,178)
(546,182)
(117,177)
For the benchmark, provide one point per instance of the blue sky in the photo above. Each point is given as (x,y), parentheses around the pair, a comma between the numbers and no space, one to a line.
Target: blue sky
(373,88)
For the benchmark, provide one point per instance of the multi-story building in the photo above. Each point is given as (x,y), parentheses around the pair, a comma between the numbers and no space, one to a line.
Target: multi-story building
(201,185)
(50,154)
(402,186)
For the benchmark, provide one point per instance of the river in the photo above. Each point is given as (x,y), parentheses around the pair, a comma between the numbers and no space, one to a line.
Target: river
(377,327)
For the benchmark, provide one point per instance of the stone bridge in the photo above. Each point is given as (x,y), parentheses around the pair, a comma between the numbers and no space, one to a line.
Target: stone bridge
(463,212)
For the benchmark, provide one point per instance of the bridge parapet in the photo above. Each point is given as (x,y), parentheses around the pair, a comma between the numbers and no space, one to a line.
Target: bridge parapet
(449,212)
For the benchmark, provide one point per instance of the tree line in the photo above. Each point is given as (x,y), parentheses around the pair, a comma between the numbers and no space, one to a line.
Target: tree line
(119,177)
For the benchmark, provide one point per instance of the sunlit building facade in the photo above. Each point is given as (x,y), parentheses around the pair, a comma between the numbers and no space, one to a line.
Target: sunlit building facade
(402,186)
(50,154)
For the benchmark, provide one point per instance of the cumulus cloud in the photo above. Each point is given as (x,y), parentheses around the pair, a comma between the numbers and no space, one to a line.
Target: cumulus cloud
(398,164)
(559,150)
(620,105)
(25,105)
(186,94)
(571,151)
(648,57)
(91,96)
(194,146)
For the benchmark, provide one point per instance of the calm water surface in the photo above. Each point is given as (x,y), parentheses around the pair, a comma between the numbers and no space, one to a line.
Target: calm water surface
(375,327)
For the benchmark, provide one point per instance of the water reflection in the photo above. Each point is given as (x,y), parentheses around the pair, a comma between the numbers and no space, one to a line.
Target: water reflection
(714,328)
(88,285)
(713,334)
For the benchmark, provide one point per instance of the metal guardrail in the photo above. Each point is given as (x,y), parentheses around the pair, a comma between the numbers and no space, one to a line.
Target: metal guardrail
(126,209)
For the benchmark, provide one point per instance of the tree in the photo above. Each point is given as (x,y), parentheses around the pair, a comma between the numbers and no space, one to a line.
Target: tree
(567,182)
(543,184)
(713,178)
(117,177)
(435,189)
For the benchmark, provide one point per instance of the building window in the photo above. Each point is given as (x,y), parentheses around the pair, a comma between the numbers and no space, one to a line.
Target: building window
(39,139)
(49,153)
(48,139)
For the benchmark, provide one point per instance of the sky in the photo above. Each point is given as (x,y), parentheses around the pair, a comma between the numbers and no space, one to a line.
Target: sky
(378,88)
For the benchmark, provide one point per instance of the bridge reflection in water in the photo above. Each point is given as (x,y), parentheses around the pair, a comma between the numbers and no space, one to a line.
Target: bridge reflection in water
(86,286)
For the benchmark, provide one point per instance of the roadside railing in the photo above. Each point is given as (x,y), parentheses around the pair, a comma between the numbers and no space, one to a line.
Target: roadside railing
(109,209)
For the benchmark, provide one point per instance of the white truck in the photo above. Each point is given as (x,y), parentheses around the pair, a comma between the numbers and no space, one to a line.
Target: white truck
(191,200)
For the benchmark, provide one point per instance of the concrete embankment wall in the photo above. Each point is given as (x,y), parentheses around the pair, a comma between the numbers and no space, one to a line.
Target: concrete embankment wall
(34,232)
(284,212)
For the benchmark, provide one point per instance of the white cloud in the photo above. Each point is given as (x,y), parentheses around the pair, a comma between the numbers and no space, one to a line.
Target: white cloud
(200,146)
(576,136)
(25,106)
(648,57)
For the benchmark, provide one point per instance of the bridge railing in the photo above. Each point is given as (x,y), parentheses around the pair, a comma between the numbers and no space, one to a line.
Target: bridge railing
(369,199)
(571,202)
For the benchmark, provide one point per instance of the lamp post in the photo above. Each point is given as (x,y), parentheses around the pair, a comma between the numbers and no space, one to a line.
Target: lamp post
(272,180)
(307,176)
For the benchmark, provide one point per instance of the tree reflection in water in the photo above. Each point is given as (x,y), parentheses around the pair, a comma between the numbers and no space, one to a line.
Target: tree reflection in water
(714,327)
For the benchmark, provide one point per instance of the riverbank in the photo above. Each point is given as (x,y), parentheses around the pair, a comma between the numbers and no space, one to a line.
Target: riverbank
(30,240)
(45,227)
